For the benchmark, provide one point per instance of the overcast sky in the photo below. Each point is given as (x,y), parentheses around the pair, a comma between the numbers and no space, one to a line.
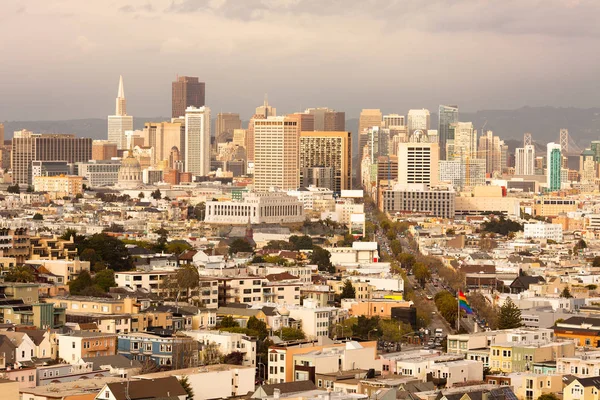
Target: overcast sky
(62,58)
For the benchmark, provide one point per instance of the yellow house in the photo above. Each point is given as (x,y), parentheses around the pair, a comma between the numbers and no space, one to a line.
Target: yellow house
(582,389)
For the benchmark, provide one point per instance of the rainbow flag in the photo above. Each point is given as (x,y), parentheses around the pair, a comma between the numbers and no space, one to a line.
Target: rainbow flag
(463,304)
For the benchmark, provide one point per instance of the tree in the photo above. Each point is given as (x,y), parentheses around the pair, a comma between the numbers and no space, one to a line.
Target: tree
(161,243)
(156,195)
(89,255)
(149,366)
(38,217)
(548,396)
(199,211)
(502,226)
(396,247)
(177,247)
(234,358)
(240,246)
(348,291)
(258,326)
(117,228)
(422,273)
(185,279)
(301,242)
(228,322)
(596,262)
(185,384)
(29,189)
(580,245)
(292,334)
(365,327)
(390,330)
(20,273)
(450,232)
(406,260)
(111,251)
(68,234)
(13,189)
(447,306)
(509,316)
(105,279)
(321,258)
(83,281)
(141,195)
(566,293)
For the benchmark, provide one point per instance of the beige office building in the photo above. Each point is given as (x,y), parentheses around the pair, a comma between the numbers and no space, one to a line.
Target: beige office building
(368,119)
(328,150)
(305,121)
(418,162)
(276,157)
(418,120)
(225,125)
(163,137)
(240,137)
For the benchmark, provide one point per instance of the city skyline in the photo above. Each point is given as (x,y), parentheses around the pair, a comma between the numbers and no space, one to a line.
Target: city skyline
(342,77)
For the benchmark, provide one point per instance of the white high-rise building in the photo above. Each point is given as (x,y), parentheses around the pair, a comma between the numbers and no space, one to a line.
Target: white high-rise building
(462,174)
(390,120)
(418,161)
(525,160)
(276,153)
(465,141)
(197,140)
(119,123)
(418,119)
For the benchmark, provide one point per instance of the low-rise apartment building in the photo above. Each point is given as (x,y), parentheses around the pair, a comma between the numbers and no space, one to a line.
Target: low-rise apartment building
(75,346)
(227,342)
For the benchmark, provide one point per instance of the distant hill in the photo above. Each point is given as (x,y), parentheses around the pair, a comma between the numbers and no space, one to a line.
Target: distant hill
(96,128)
(543,122)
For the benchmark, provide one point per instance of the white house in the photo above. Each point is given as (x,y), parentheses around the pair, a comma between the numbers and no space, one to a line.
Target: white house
(218,381)
(541,230)
(25,347)
(453,372)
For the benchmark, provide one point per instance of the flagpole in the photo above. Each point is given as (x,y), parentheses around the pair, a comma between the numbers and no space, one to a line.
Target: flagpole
(458,314)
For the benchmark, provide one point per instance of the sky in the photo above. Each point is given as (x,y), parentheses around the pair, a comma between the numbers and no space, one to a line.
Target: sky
(61,59)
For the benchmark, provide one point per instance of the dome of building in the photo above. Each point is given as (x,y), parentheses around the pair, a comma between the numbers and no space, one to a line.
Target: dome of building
(130,172)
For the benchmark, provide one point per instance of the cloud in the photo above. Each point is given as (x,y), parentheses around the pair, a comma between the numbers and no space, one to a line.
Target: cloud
(84,44)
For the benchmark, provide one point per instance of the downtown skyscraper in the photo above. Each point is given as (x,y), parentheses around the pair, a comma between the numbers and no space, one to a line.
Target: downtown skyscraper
(276,153)
(187,91)
(120,123)
(448,116)
(197,141)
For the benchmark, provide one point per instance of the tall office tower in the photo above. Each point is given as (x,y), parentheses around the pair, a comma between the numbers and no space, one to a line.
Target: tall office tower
(266,110)
(261,112)
(525,160)
(553,166)
(328,120)
(418,161)
(448,116)
(239,137)
(588,167)
(462,174)
(187,91)
(306,121)
(1,134)
(119,123)
(391,120)
(377,142)
(328,150)
(276,153)
(163,137)
(418,119)
(197,141)
(28,147)
(465,141)
(226,123)
(103,150)
(369,118)
(490,150)
(527,139)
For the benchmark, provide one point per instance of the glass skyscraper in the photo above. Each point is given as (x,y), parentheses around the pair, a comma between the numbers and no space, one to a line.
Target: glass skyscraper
(448,115)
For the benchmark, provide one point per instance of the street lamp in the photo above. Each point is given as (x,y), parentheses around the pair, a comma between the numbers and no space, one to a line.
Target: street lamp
(369,333)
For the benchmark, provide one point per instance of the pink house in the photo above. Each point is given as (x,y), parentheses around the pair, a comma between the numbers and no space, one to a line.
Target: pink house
(25,376)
